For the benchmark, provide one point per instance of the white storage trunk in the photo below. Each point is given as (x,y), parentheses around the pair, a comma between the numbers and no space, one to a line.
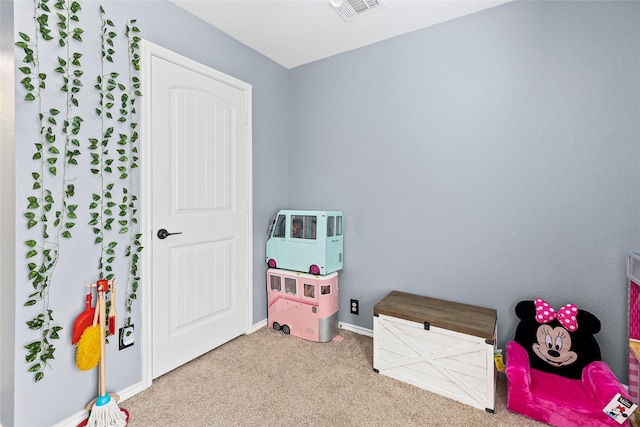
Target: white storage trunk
(440,346)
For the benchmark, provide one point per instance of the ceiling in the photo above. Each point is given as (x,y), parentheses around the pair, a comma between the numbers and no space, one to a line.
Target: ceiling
(296,32)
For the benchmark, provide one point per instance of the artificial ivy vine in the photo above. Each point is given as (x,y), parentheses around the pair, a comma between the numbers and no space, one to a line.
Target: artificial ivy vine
(129,158)
(50,209)
(51,206)
(103,205)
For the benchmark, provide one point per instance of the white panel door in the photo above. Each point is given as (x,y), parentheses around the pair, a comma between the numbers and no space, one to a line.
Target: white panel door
(199,151)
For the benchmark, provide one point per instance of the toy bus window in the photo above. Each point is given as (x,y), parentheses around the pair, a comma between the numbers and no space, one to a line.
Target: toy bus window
(290,285)
(325,289)
(338,226)
(309,291)
(331,220)
(303,226)
(279,226)
(275,283)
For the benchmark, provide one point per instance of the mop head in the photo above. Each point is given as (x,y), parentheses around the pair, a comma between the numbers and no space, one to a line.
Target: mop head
(88,354)
(106,413)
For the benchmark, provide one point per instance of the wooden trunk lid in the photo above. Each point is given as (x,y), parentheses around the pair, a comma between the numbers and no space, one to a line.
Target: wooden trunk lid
(463,318)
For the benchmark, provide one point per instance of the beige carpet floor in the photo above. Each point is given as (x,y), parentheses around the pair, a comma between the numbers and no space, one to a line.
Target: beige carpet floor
(271,379)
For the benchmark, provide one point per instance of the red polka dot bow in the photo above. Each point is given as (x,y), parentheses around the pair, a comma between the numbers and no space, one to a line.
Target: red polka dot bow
(566,315)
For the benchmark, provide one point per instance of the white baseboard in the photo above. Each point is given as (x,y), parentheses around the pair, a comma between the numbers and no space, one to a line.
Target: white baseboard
(356,329)
(346,326)
(131,391)
(74,419)
(124,394)
(259,325)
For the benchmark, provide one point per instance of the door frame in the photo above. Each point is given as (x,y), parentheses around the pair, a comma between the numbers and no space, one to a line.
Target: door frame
(148,50)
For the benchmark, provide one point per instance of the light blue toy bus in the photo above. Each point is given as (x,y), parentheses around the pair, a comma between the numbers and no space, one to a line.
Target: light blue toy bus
(306,241)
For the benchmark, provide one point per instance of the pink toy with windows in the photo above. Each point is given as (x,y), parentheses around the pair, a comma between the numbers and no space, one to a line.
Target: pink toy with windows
(303,305)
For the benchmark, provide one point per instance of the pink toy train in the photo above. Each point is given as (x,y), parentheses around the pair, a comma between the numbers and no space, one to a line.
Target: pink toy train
(302,304)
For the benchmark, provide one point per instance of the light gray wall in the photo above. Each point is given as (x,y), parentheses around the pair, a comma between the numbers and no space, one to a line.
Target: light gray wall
(65,391)
(7,213)
(485,160)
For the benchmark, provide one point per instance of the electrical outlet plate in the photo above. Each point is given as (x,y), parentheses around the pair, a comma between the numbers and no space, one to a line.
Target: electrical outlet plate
(126,337)
(355,307)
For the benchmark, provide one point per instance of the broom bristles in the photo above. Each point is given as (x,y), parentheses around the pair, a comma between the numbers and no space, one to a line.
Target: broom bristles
(107,415)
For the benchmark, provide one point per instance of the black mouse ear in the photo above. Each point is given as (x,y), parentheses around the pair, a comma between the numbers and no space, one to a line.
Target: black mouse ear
(525,309)
(588,321)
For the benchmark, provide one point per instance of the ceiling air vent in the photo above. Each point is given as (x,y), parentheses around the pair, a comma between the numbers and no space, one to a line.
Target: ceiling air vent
(349,9)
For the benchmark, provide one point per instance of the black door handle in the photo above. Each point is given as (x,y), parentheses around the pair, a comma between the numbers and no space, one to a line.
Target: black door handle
(163,234)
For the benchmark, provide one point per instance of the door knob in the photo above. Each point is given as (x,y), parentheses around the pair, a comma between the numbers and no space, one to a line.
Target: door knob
(163,234)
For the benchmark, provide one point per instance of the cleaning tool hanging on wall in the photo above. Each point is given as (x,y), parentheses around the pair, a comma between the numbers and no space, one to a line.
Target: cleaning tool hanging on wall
(105,411)
(88,352)
(83,320)
(112,310)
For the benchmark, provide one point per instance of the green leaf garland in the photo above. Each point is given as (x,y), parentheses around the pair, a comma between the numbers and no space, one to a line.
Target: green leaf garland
(51,209)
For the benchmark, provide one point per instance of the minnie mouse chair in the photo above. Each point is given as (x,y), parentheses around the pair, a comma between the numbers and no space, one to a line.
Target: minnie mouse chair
(554,369)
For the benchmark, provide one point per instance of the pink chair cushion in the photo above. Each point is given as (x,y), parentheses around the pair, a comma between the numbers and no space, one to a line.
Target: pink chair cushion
(558,400)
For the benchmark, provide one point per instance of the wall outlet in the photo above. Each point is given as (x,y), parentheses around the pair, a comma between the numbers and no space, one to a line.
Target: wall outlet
(126,337)
(355,306)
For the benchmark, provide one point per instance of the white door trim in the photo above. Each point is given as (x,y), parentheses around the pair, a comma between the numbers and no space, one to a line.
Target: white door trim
(148,50)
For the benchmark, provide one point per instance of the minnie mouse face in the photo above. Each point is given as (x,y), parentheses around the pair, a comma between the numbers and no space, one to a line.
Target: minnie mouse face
(559,342)
(554,346)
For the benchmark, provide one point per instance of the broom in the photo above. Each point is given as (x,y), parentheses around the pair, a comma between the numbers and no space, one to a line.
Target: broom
(105,411)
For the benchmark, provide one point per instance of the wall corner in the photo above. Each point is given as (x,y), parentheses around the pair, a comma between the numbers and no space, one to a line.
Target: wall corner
(7,215)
